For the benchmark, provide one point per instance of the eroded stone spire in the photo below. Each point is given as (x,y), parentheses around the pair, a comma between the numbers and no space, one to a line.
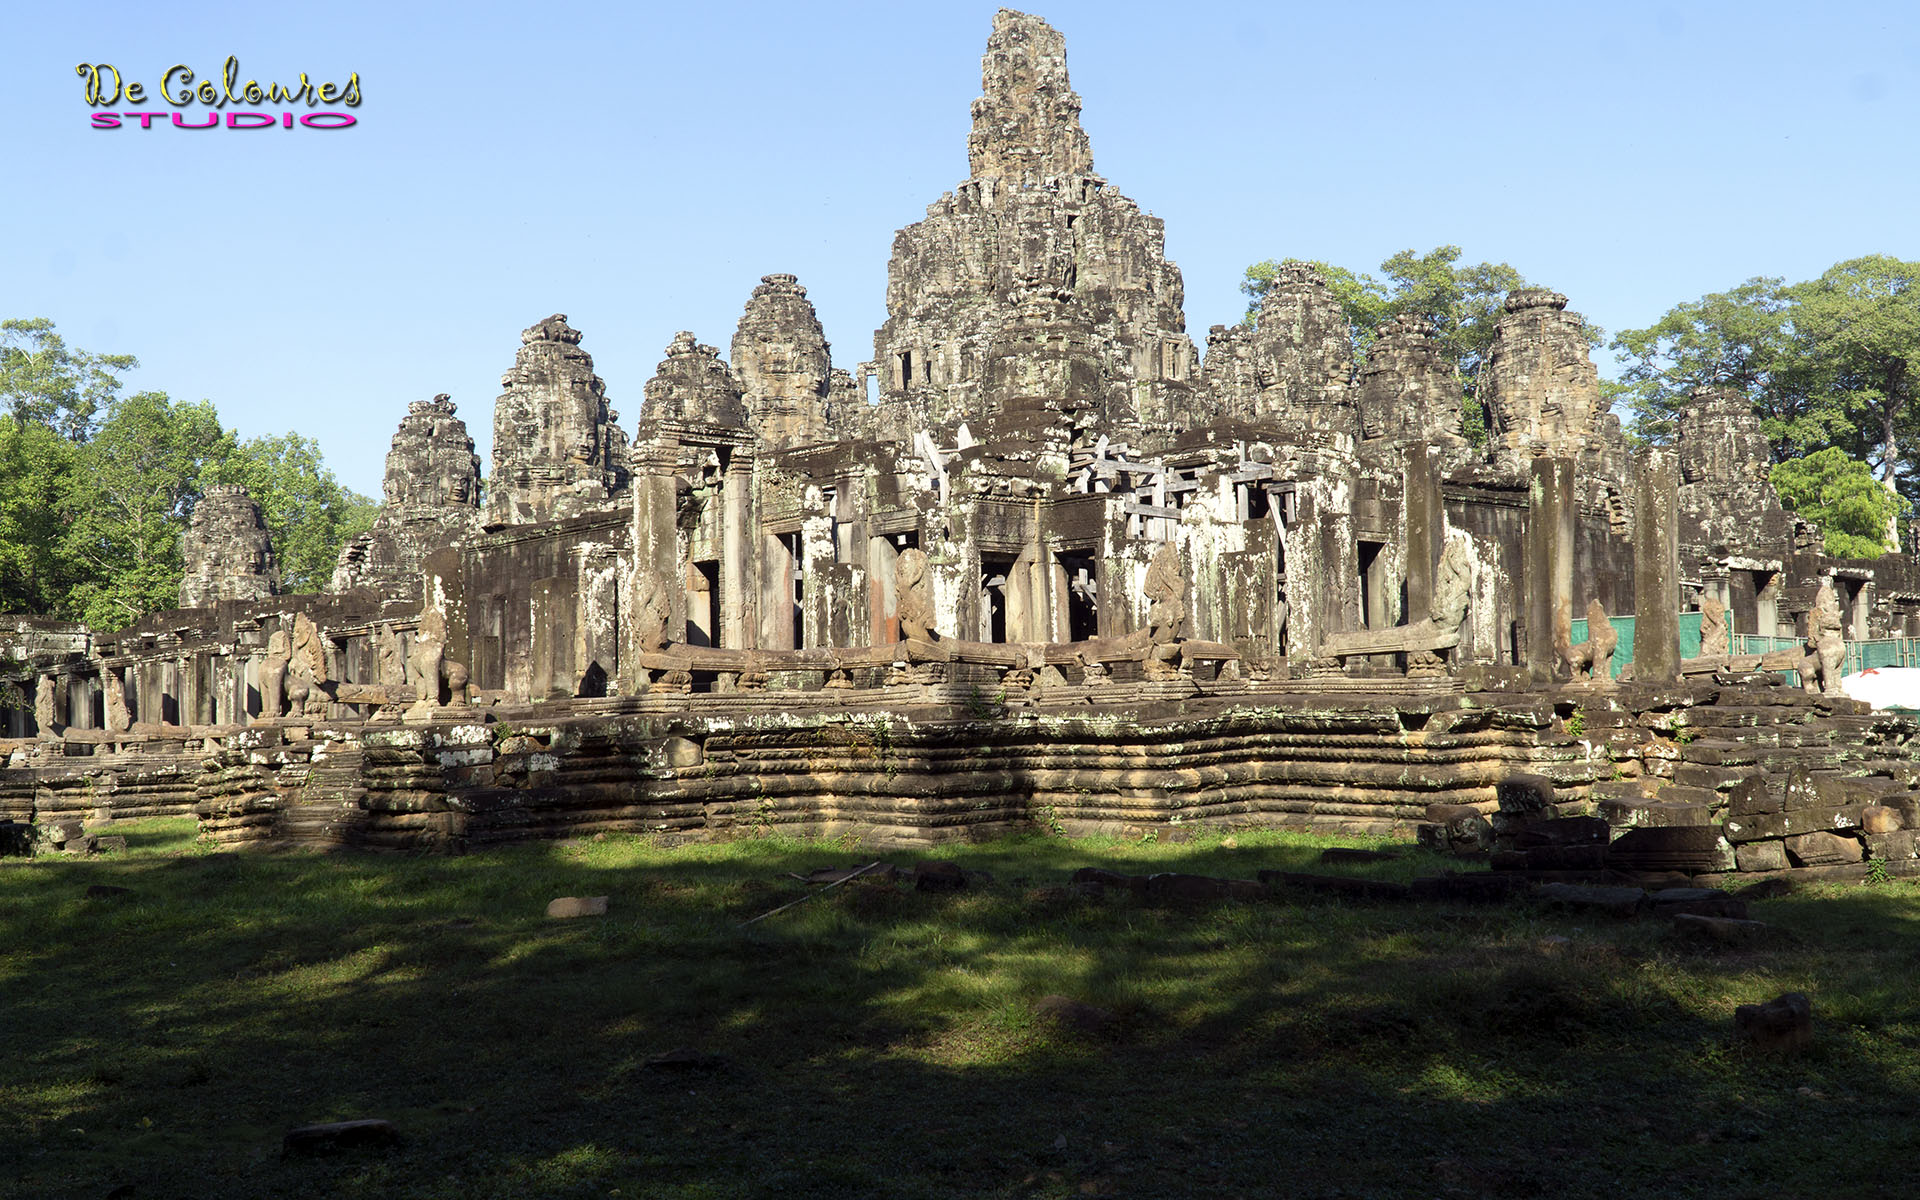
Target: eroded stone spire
(1540,387)
(693,384)
(557,447)
(432,491)
(1026,124)
(783,362)
(229,554)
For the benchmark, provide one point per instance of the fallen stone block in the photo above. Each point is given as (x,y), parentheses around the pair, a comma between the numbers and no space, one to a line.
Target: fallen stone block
(1338,885)
(1481,887)
(1565,831)
(1720,931)
(1752,797)
(1824,850)
(1689,848)
(1469,833)
(1441,813)
(1524,793)
(1614,901)
(1188,889)
(337,1136)
(1643,814)
(1878,818)
(1783,1025)
(1566,858)
(112,843)
(1760,856)
(1100,877)
(58,835)
(939,877)
(1892,847)
(1703,902)
(566,907)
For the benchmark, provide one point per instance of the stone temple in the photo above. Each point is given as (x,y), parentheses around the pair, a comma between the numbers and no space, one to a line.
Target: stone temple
(1039,561)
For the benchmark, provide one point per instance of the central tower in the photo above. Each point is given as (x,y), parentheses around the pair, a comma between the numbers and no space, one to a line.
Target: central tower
(1032,223)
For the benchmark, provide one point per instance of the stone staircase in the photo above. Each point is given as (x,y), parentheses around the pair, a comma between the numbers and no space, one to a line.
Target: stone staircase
(328,809)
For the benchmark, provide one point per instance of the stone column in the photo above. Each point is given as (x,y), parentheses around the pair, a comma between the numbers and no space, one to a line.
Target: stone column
(656,551)
(737,587)
(1426,523)
(1548,566)
(817,584)
(1656,569)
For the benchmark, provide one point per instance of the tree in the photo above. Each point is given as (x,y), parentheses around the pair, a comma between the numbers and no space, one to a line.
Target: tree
(1839,493)
(36,470)
(44,381)
(129,502)
(1858,330)
(1737,339)
(309,515)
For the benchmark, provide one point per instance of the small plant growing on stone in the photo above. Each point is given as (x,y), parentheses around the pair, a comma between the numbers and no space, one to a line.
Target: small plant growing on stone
(1577,723)
(1877,872)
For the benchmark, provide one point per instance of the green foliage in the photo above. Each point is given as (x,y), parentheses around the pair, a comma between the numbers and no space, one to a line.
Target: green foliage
(44,381)
(96,488)
(1830,362)
(129,502)
(36,471)
(306,510)
(1461,304)
(1839,494)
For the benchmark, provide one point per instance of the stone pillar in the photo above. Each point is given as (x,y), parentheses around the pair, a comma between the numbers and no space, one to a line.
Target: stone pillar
(817,600)
(1426,522)
(656,553)
(596,653)
(737,589)
(1304,573)
(1548,566)
(1337,591)
(1656,569)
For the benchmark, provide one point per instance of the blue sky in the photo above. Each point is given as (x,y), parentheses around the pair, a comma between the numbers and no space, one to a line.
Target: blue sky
(640,166)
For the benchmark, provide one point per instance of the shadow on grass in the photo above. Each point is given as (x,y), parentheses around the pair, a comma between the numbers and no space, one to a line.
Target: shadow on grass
(879,1041)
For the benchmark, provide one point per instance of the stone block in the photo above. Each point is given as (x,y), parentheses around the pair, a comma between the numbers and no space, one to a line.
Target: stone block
(566,907)
(1824,850)
(1525,794)
(1172,886)
(1702,775)
(1792,823)
(1720,931)
(1589,857)
(1876,818)
(1894,847)
(1689,848)
(1760,856)
(1642,814)
(1565,831)
(683,752)
(1783,1025)
(939,877)
(1752,796)
(1614,901)
(1703,902)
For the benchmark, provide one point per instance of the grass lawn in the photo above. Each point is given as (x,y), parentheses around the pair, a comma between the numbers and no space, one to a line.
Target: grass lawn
(883,1042)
